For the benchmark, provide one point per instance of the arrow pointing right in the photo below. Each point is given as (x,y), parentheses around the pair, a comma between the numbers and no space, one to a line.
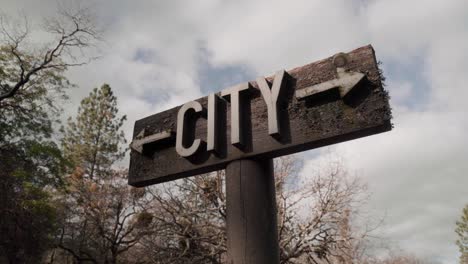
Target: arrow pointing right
(345,82)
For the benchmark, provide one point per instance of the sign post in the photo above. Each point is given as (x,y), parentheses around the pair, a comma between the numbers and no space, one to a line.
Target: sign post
(252,235)
(242,128)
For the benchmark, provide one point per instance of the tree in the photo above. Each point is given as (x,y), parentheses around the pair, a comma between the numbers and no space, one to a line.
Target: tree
(93,140)
(314,218)
(102,220)
(31,113)
(398,257)
(72,30)
(102,216)
(28,216)
(315,215)
(32,76)
(462,232)
(31,164)
(189,226)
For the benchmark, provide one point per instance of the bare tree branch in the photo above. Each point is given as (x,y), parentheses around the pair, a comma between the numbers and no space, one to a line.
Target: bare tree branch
(82,35)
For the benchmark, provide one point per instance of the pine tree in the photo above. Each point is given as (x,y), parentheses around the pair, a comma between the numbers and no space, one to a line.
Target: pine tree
(462,232)
(103,216)
(93,139)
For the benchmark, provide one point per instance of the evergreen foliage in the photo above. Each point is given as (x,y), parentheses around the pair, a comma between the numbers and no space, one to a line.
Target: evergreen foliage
(31,164)
(102,217)
(93,139)
(462,232)
(28,173)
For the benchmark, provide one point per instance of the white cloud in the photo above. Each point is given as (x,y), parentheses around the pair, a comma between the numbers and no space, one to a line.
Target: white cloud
(270,35)
(446,71)
(404,28)
(417,172)
(401,91)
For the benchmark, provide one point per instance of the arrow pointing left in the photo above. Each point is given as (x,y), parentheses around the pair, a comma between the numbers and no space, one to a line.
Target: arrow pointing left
(140,140)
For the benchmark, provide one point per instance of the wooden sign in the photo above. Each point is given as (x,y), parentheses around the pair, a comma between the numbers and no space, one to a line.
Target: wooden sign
(326,102)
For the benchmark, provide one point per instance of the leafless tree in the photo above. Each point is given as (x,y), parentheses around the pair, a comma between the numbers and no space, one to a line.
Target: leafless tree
(73,33)
(189,221)
(398,258)
(315,218)
(315,215)
(101,221)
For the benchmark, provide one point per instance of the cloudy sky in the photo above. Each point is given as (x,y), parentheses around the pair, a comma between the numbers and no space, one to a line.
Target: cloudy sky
(160,54)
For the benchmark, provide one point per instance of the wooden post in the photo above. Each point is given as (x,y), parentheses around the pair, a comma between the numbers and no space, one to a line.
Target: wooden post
(251,212)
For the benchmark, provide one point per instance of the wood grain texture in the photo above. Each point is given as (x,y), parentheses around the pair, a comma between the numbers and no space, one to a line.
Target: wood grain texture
(252,235)
(305,124)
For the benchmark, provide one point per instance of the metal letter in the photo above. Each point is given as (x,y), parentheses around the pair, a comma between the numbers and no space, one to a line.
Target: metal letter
(181,122)
(236,115)
(212,133)
(271,100)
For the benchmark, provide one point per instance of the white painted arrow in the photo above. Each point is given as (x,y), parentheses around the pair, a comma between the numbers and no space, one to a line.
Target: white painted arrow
(140,140)
(345,82)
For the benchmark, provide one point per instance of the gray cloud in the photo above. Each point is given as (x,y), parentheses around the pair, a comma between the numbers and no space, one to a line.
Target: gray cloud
(160,54)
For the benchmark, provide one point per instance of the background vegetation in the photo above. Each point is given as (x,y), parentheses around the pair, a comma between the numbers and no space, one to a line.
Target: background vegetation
(66,200)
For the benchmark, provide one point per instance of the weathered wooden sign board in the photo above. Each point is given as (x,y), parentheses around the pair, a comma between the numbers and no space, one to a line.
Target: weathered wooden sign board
(329,101)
